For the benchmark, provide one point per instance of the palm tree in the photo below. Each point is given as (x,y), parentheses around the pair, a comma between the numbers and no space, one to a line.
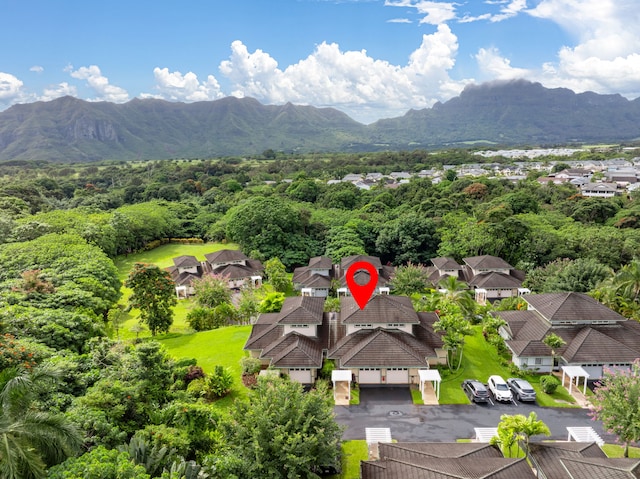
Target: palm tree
(627,281)
(554,342)
(30,440)
(455,291)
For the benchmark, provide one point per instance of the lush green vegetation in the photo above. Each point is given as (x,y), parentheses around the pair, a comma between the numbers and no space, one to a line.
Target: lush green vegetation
(70,235)
(616,450)
(352,453)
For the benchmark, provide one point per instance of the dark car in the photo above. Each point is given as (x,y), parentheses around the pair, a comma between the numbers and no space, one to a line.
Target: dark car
(475,390)
(522,390)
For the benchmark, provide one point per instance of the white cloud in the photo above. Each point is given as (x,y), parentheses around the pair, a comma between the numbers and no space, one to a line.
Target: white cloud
(10,87)
(351,81)
(399,20)
(434,13)
(605,57)
(176,86)
(36,69)
(497,67)
(100,84)
(56,91)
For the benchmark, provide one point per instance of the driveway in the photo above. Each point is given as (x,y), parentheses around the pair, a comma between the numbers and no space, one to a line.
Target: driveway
(392,408)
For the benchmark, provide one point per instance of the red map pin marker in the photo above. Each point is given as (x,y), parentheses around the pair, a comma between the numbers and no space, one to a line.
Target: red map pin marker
(362,292)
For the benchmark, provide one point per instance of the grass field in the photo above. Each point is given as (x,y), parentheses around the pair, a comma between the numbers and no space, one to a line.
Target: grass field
(211,348)
(352,453)
(162,257)
(616,450)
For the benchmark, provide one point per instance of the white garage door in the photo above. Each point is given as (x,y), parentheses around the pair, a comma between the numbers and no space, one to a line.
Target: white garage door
(369,376)
(301,375)
(397,376)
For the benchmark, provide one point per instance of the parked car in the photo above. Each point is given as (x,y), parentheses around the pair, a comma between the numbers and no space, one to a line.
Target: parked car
(522,390)
(499,389)
(475,390)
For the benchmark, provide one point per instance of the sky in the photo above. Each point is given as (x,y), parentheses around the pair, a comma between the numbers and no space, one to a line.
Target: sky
(371,59)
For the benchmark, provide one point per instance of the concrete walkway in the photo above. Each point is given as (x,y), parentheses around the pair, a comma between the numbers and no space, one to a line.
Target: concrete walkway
(341,394)
(429,395)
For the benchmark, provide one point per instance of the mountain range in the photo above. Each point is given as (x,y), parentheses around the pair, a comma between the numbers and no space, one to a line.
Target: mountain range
(515,112)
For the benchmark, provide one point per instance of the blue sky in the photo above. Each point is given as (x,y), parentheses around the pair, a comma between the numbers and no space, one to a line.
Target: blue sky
(369,58)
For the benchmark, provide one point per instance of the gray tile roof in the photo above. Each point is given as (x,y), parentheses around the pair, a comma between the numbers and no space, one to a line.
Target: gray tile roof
(618,468)
(294,350)
(381,308)
(495,280)
(546,456)
(570,307)
(238,271)
(306,278)
(321,262)
(448,468)
(186,261)
(264,332)
(486,262)
(446,263)
(406,451)
(226,255)
(301,310)
(349,260)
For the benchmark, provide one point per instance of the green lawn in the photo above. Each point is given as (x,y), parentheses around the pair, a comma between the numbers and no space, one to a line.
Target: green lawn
(162,257)
(211,348)
(481,360)
(616,450)
(352,453)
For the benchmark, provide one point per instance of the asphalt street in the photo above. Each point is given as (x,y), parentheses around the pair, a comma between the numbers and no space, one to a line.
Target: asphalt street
(392,407)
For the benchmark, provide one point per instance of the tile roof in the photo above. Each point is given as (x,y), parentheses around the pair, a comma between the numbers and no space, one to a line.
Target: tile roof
(618,468)
(349,260)
(486,262)
(236,271)
(264,332)
(546,456)
(408,450)
(226,255)
(446,263)
(294,350)
(301,310)
(588,341)
(321,262)
(381,308)
(492,279)
(186,261)
(570,307)
(306,278)
(448,468)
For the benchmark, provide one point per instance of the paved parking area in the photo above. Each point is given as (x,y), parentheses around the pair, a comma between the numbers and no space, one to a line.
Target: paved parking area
(392,408)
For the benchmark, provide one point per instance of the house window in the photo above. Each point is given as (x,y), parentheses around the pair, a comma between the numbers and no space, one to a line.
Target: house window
(395,325)
(538,361)
(363,325)
(298,326)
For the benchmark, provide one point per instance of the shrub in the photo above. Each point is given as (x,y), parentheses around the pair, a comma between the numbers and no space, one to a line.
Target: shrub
(220,382)
(549,384)
(327,368)
(250,365)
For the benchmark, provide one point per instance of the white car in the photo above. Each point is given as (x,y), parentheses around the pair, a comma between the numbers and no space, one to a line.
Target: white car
(500,389)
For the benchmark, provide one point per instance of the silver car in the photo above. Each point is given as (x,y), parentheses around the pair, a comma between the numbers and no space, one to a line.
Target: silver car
(522,389)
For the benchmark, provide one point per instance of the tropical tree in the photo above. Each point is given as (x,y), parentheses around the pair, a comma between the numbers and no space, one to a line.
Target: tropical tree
(212,290)
(554,342)
(30,440)
(455,327)
(277,275)
(153,294)
(457,292)
(409,279)
(616,403)
(518,429)
(280,432)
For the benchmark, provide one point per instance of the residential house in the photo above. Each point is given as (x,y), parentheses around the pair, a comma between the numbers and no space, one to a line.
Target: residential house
(443,268)
(238,268)
(443,461)
(492,278)
(294,341)
(314,279)
(595,336)
(385,273)
(573,173)
(386,342)
(579,460)
(184,271)
(600,190)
